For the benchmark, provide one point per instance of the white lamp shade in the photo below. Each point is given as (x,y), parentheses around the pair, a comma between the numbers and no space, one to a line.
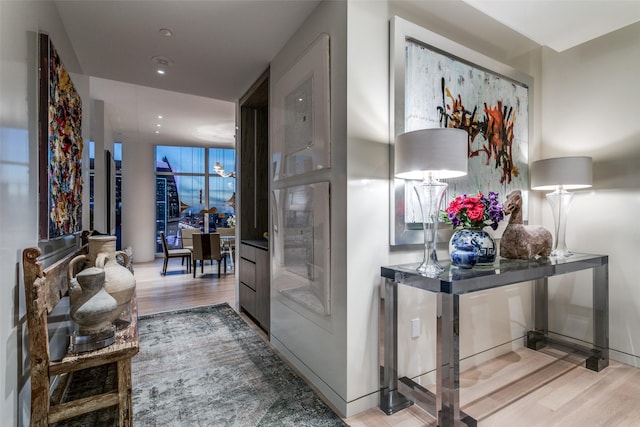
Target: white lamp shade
(569,172)
(439,151)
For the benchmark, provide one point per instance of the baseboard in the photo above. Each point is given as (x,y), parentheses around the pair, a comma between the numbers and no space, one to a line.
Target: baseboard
(363,403)
(627,359)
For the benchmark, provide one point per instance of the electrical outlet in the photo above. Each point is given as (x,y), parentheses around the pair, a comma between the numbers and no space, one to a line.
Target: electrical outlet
(415,328)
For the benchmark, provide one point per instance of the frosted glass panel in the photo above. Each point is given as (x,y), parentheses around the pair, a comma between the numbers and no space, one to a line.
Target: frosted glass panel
(301,115)
(301,247)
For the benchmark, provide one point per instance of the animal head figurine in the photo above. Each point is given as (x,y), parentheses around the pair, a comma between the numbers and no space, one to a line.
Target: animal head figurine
(513,206)
(522,241)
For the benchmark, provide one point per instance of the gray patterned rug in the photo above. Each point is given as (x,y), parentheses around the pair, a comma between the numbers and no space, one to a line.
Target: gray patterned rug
(207,367)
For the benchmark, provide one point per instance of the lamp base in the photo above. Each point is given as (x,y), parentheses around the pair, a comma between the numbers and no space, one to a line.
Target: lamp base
(560,201)
(560,253)
(430,269)
(430,193)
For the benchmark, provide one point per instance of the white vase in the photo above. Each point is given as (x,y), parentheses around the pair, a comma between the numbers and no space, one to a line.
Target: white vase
(92,308)
(119,281)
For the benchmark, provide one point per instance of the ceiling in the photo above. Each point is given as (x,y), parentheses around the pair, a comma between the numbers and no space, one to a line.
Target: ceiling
(563,24)
(218,48)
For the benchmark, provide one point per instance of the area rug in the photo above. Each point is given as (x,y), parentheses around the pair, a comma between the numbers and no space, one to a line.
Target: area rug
(207,367)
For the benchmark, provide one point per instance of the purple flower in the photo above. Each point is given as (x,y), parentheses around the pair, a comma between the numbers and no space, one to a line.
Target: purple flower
(453,219)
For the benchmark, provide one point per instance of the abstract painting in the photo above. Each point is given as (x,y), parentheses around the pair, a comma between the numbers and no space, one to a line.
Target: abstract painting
(443,91)
(438,83)
(60,147)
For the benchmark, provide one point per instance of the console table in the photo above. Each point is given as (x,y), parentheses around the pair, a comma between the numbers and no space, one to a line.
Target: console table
(399,393)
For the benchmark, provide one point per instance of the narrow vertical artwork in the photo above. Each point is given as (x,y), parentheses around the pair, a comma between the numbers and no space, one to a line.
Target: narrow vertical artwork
(60,147)
(301,111)
(301,251)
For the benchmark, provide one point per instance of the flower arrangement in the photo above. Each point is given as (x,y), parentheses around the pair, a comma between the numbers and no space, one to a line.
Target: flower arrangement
(231,221)
(474,211)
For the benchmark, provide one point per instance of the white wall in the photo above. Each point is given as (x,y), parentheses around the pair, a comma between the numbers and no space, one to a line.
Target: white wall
(20,21)
(139,199)
(318,346)
(102,136)
(590,107)
(367,222)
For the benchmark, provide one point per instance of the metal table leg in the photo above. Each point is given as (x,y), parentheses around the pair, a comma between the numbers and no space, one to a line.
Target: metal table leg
(448,363)
(391,401)
(600,353)
(537,338)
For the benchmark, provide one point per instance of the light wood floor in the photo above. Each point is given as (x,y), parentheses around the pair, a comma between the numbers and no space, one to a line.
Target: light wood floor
(522,388)
(178,290)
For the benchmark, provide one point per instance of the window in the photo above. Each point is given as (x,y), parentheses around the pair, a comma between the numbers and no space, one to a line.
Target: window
(195,188)
(117,157)
(92,159)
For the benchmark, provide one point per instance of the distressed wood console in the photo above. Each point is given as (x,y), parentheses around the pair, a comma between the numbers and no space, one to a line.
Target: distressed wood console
(44,288)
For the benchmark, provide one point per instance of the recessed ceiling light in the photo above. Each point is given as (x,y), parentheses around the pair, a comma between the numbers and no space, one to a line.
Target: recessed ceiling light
(163,61)
(157,131)
(159,117)
(166,32)
(158,125)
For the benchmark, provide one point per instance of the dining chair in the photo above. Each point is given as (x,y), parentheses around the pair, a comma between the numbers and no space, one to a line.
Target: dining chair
(174,253)
(228,242)
(185,237)
(206,246)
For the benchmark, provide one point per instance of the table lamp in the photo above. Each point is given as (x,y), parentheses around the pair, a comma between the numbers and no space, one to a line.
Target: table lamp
(561,174)
(430,155)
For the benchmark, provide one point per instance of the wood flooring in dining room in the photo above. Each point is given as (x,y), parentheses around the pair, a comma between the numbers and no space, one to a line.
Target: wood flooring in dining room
(523,388)
(178,289)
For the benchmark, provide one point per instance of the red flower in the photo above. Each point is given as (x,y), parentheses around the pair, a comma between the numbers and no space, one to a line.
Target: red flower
(455,206)
(474,211)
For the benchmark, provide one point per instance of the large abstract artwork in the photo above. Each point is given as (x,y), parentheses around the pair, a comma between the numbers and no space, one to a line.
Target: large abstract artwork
(60,147)
(438,83)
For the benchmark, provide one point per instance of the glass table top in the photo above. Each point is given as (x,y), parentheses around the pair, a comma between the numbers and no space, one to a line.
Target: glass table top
(501,273)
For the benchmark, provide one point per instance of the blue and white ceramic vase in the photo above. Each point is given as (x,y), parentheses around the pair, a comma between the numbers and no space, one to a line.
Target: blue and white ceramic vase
(478,238)
(464,256)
